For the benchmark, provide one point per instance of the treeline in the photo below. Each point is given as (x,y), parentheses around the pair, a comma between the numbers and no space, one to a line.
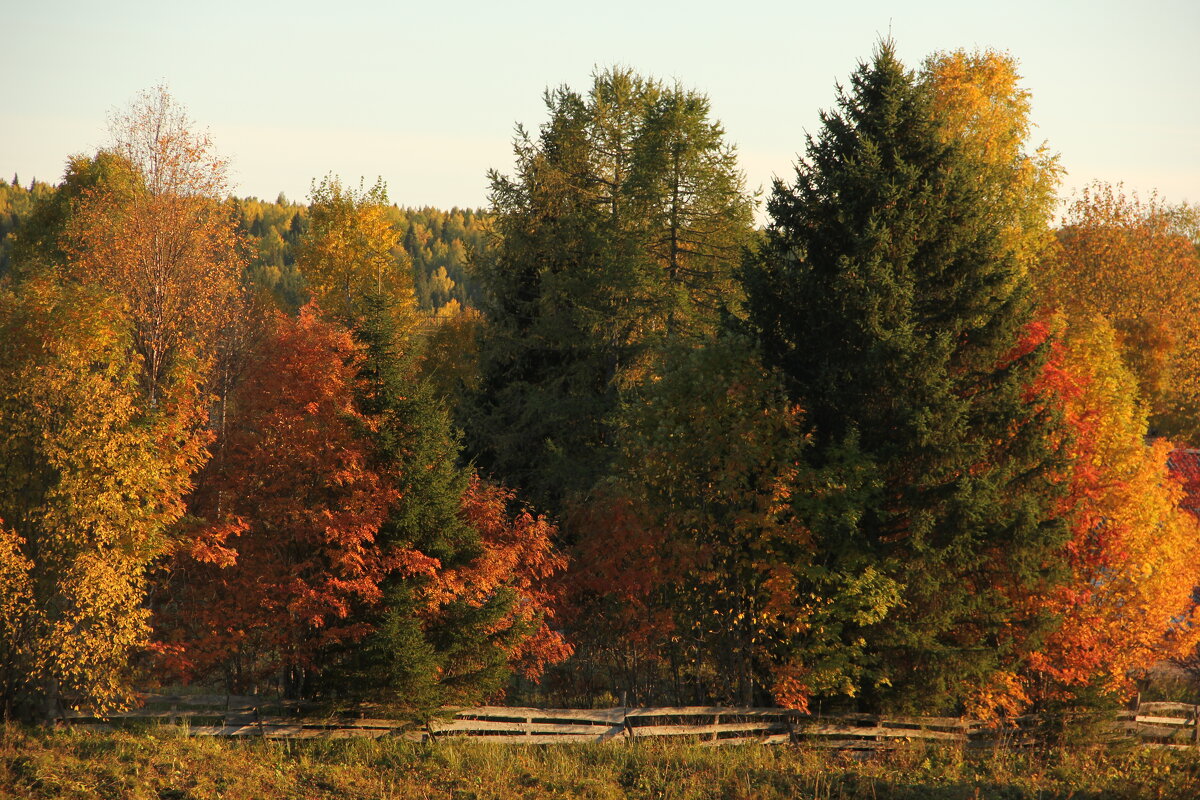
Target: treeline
(436,245)
(900,450)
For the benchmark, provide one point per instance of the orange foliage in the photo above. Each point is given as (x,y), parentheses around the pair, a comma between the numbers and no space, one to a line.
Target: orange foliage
(1125,259)
(164,242)
(620,566)
(518,554)
(286,553)
(1134,554)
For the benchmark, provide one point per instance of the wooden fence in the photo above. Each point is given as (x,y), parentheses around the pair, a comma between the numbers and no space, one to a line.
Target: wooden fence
(1163,724)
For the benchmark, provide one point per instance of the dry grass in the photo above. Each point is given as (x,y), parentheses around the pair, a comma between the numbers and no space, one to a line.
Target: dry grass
(161,763)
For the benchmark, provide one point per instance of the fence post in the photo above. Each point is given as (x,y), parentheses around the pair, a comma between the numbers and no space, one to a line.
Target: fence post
(1196,725)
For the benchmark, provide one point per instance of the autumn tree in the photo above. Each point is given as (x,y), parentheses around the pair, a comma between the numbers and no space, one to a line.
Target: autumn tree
(1128,260)
(457,634)
(618,230)
(1133,552)
(978,101)
(891,303)
(454,632)
(91,478)
(285,551)
(162,239)
(42,241)
(696,559)
(349,249)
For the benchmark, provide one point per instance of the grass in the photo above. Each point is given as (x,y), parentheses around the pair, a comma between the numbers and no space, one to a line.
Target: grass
(163,764)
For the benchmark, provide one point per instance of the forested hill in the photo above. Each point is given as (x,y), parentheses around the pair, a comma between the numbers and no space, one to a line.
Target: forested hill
(437,244)
(16,202)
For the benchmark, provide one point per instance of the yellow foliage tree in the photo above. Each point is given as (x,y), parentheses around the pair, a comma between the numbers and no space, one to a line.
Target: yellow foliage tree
(980,103)
(90,478)
(1134,553)
(1127,260)
(349,251)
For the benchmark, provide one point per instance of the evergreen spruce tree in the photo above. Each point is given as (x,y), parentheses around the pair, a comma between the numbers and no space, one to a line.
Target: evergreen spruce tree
(552,343)
(417,658)
(886,297)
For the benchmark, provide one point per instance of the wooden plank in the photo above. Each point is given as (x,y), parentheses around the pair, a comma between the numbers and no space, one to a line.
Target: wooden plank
(1163,732)
(142,714)
(518,727)
(335,733)
(856,744)
(536,738)
(1161,706)
(700,730)
(604,716)
(775,738)
(877,731)
(708,711)
(952,723)
(224,730)
(1162,721)
(337,722)
(942,722)
(244,701)
(1169,746)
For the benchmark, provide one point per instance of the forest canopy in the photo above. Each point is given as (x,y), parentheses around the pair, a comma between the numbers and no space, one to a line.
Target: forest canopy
(907,446)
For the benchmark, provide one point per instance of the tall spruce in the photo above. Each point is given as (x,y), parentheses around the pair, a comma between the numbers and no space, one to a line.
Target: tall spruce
(887,298)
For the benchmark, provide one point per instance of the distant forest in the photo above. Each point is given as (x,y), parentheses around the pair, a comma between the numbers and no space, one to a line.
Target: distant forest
(437,245)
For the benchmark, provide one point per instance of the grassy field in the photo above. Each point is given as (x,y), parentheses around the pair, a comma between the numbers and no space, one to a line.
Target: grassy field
(158,764)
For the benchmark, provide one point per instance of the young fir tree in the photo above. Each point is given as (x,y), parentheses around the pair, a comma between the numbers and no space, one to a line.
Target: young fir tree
(432,645)
(888,300)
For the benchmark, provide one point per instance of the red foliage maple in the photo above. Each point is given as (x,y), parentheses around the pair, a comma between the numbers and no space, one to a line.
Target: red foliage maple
(290,510)
(519,554)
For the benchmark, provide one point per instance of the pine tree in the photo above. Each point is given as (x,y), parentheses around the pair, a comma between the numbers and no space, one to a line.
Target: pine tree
(551,346)
(885,296)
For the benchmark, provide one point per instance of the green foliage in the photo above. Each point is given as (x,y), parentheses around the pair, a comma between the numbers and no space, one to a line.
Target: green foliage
(711,464)
(38,219)
(617,234)
(885,296)
(442,245)
(418,656)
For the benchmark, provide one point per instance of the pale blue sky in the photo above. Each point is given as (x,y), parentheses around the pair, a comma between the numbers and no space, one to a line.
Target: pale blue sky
(426,94)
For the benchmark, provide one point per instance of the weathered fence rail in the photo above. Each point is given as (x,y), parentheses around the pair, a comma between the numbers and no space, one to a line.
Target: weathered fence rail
(1159,723)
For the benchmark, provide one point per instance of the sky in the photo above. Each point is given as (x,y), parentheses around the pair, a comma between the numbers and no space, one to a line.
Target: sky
(426,95)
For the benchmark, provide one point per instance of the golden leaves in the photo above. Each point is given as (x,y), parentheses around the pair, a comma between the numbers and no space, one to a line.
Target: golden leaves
(90,479)
(350,249)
